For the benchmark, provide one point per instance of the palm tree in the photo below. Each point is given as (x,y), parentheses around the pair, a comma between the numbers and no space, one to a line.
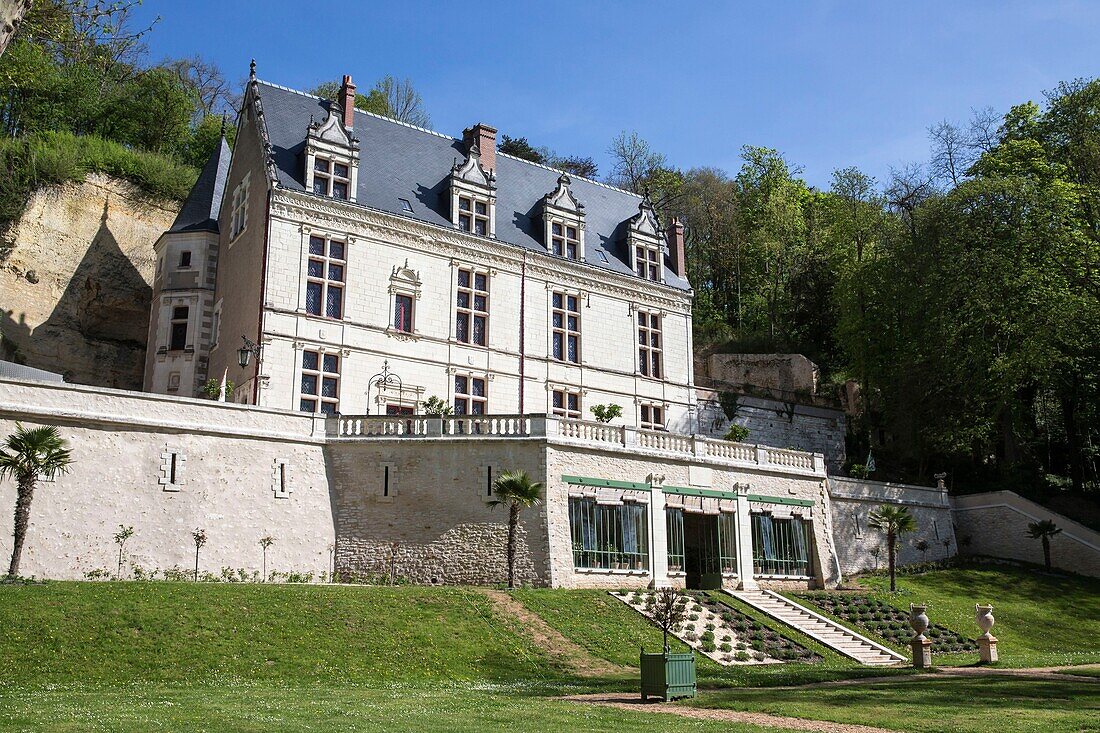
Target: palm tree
(1043,530)
(28,455)
(516,490)
(894,521)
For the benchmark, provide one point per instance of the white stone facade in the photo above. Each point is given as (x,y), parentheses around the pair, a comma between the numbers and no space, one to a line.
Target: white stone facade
(428,359)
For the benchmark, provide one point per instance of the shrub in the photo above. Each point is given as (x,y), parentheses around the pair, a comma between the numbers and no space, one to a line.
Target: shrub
(741,656)
(737,433)
(707,646)
(725,647)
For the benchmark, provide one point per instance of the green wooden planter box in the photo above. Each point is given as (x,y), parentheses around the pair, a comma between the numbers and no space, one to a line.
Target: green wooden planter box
(668,676)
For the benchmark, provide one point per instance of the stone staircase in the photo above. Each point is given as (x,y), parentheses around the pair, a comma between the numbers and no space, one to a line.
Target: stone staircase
(816,626)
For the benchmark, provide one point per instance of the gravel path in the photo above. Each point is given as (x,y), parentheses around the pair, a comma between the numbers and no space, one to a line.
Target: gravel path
(626,701)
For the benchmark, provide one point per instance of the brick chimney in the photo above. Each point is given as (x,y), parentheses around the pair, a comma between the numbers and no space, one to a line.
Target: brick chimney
(347,101)
(486,138)
(675,233)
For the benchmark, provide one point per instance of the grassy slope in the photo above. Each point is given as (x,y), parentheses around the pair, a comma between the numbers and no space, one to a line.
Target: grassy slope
(1041,619)
(188,633)
(609,630)
(181,656)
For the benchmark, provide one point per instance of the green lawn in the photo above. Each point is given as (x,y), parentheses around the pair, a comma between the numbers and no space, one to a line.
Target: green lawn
(1042,619)
(246,657)
(264,708)
(951,705)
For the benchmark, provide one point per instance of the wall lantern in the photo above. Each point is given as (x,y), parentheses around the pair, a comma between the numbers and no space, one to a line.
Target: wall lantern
(246,352)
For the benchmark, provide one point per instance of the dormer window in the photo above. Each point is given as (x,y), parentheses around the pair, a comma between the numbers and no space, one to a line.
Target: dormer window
(647,261)
(563,217)
(473,196)
(331,178)
(564,240)
(473,215)
(332,157)
(645,244)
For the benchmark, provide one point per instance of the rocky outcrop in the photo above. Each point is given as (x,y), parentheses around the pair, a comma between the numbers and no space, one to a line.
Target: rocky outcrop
(75,281)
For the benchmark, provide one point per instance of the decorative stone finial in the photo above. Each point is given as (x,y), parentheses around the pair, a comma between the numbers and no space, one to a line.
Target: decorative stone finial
(252,70)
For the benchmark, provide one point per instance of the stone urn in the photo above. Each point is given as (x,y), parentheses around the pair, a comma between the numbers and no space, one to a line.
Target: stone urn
(983,616)
(918,619)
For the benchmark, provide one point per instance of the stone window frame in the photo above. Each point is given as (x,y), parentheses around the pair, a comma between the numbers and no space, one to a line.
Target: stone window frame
(387,482)
(238,221)
(281,485)
(469,399)
(470,312)
(216,324)
(186,260)
(485,490)
(653,326)
(325,282)
(321,373)
(326,171)
(174,319)
(174,380)
(560,302)
(652,415)
(564,394)
(173,463)
(404,282)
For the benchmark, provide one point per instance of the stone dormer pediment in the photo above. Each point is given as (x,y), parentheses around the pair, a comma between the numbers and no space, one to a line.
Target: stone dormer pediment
(644,223)
(331,129)
(470,171)
(562,199)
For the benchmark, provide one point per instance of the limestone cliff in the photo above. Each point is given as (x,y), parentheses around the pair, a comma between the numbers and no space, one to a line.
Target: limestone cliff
(75,280)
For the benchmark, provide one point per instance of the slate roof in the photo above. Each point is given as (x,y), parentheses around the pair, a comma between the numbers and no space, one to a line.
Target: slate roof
(200,210)
(398,161)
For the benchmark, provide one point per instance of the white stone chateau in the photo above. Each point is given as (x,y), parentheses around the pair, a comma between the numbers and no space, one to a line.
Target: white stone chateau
(341,269)
(350,246)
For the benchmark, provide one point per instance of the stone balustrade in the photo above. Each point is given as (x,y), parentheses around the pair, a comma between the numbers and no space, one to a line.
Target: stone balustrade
(587,432)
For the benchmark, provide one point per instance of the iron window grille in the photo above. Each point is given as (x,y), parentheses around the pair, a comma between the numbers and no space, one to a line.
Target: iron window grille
(320,383)
(566,327)
(650,350)
(472,301)
(325,277)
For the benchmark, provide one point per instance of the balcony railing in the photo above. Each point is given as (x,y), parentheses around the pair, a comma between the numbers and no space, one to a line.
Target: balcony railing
(575,432)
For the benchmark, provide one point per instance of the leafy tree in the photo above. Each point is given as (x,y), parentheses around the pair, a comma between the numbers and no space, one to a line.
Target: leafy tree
(606,413)
(669,611)
(30,454)
(265,543)
(374,101)
(520,148)
(205,139)
(198,536)
(1043,530)
(124,533)
(437,406)
(577,166)
(517,491)
(894,521)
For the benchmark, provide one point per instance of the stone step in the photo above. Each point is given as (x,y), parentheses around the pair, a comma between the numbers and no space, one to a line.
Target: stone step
(827,632)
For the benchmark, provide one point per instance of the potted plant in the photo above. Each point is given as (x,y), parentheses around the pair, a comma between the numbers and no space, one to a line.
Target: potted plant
(667,675)
(613,554)
(637,562)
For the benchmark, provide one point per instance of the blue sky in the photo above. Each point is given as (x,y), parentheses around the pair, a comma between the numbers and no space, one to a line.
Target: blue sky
(829,84)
